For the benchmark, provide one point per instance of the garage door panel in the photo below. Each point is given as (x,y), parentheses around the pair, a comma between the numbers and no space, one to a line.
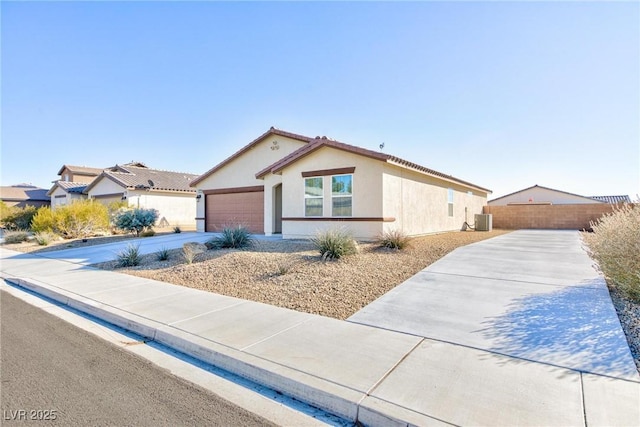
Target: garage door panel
(240,208)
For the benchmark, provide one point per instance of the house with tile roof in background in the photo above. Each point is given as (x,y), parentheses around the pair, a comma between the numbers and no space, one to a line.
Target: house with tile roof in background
(295,185)
(73,180)
(538,194)
(23,195)
(140,186)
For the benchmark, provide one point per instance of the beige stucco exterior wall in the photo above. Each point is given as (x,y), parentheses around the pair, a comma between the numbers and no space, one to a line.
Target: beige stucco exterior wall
(104,187)
(419,203)
(176,208)
(542,195)
(76,177)
(241,171)
(367,194)
(66,200)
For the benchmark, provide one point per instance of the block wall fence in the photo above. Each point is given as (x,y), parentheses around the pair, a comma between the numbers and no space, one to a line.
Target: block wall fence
(573,217)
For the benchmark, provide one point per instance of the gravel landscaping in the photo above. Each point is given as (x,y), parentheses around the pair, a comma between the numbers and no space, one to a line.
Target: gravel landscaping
(291,274)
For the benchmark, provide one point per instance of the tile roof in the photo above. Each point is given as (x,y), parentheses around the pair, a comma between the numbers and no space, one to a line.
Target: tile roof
(23,192)
(81,170)
(318,143)
(135,177)
(271,131)
(612,199)
(69,187)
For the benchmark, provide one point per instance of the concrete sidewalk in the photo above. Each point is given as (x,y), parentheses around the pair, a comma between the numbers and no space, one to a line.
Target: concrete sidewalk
(360,372)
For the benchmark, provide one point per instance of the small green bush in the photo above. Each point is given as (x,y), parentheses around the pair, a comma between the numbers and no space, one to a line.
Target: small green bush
(615,245)
(177,230)
(148,233)
(130,256)
(17,236)
(394,239)
(237,237)
(136,220)
(334,244)
(19,218)
(163,254)
(45,237)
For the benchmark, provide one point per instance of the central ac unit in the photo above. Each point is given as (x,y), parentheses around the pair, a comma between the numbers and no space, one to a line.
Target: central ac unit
(484,222)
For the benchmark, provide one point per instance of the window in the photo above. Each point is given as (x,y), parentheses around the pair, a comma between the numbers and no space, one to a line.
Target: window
(313,197)
(341,195)
(450,201)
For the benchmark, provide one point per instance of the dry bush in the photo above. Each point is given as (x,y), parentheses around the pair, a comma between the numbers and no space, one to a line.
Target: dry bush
(393,239)
(615,246)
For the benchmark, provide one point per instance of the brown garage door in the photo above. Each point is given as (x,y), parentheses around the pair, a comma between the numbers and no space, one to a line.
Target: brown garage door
(235,208)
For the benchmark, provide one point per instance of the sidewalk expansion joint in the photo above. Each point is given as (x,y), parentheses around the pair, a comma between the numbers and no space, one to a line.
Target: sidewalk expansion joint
(276,334)
(204,314)
(499,353)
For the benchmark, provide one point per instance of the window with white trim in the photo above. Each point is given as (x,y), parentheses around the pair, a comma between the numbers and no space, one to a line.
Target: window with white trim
(450,201)
(341,195)
(313,196)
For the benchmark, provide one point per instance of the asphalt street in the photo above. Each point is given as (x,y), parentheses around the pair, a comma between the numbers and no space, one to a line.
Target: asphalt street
(53,373)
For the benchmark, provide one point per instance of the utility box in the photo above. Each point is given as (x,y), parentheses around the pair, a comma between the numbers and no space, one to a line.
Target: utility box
(484,222)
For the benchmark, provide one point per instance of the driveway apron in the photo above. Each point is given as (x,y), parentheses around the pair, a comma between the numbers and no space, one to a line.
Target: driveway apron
(529,294)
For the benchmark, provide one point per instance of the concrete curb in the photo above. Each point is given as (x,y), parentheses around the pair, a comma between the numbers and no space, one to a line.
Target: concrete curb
(323,394)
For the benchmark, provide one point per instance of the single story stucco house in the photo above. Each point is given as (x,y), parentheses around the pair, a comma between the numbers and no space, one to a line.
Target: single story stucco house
(292,184)
(23,195)
(142,187)
(540,195)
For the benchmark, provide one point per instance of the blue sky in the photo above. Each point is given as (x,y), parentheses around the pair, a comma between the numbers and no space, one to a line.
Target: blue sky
(503,94)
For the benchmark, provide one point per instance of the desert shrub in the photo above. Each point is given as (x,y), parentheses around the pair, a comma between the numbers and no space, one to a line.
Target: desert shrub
(136,220)
(163,254)
(615,245)
(129,257)
(148,233)
(43,238)
(236,237)
(334,244)
(4,211)
(177,230)
(43,220)
(394,239)
(17,236)
(19,218)
(81,218)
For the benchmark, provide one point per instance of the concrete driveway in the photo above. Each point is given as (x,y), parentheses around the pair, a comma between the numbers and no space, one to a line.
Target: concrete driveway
(530,294)
(107,252)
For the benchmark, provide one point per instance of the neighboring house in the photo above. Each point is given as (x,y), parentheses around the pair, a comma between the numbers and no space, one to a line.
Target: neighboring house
(23,195)
(143,187)
(612,199)
(79,174)
(542,196)
(64,193)
(295,185)
(73,180)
